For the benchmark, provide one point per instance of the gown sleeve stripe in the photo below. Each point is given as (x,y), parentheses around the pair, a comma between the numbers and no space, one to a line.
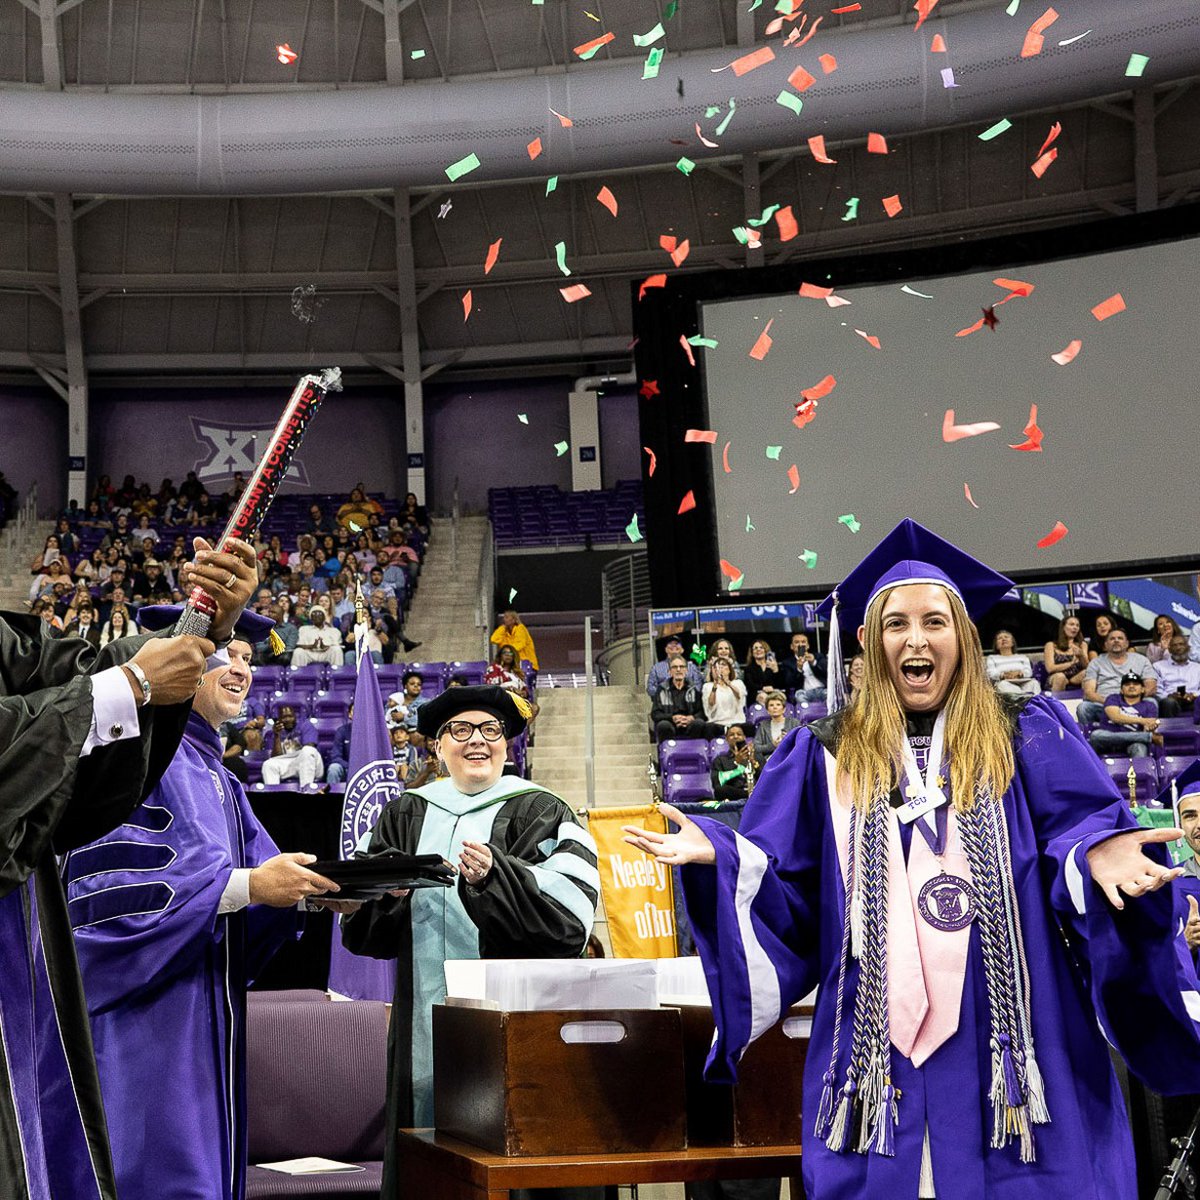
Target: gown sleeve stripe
(102,857)
(576,867)
(124,900)
(566,892)
(571,831)
(764,982)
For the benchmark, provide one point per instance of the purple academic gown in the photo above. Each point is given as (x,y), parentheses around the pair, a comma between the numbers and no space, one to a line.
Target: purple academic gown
(165,975)
(768,924)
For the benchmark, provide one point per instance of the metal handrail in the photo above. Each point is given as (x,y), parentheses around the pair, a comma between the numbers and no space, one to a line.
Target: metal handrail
(624,589)
(454,516)
(487,588)
(589,718)
(25,518)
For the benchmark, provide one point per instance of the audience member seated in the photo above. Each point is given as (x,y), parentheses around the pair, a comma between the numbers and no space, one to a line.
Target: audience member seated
(1066,658)
(1010,673)
(233,756)
(1101,628)
(45,580)
(294,753)
(770,732)
(415,512)
(723,648)
(660,672)
(339,757)
(81,622)
(1129,720)
(319,641)
(761,674)
(804,672)
(288,634)
(724,696)
(150,585)
(52,552)
(733,771)
(413,765)
(43,609)
(506,672)
(411,684)
(1165,628)
(357,511)
(1178,679)
(854,677)
(512,632)
(1104,674)
(118,625)
(678,710)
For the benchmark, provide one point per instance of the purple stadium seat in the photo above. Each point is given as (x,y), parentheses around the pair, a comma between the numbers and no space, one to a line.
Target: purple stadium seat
(433,677)
(681,755)
(309,678)
(756,713)
(810,710)
(1172,765)
(677,787)
(1145,772)
(716,748)
(1180,735)
(300,701)
(343,679)
(474,671)
(333,704)
(270,677)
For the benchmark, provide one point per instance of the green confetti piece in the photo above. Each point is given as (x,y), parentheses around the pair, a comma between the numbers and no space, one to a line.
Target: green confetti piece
(1136,65)
(560,256)
(740,233)
(784,6)
(632,532)
(808,558)
(464,166)
(670,10)
(724,125)
(587,54)
(711,111)
(523,418)
(790,100)
(652,64)
(851,522)
(736,585)
(754,6)
(355,527)
(724,777)
(749,525)
(1012,8)
(560,448)
(994,131)
(417,54)
(686,165)
(551,184)
(697,340)
(767,214)
(851,209)
(773,452)
(512,594)
(648,39)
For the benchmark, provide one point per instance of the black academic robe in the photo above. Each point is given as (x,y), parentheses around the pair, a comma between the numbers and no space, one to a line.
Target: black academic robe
(53,1139)
(538,901)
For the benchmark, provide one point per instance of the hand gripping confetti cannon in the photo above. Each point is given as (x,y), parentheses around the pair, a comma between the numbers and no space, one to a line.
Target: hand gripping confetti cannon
(272,468)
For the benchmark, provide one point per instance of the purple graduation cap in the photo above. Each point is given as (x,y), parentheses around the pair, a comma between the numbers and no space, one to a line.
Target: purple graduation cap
(250,625)
(909,554)
(1186,783)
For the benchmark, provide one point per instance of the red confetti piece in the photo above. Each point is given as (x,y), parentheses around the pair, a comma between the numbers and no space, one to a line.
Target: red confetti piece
(681,252)
(805,411)
(828,63)
(701,435)
(817,22)
(728,569)
(725,459)
(1055,535)
(577,291)
(564,121)
(814,292)
(687,349)
(605,196)
(1033,434)
(970,498)
(703,140)
(668,242)
(820,390)
(1068,355)
(869,338)
(801,80)
(1033,38)
(467,303)
(955,433)
(1055,130)
(1042,165)
(653,462)
(594,45)
(286,54)
(534,148)
(1109,308)
(924,8)
(876,143)
(938,45)
(763,344)
(492,254)
(970,328)
(1015,287)
(749,62)
(816,144)
(651,281)
(786,220)
(794,479)
(845,9)
(649,388)
(892,205)
(837,301)
(687,504)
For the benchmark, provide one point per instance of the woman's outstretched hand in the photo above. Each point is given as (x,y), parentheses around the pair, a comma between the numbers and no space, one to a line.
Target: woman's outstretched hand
(1118,865)
(689,845)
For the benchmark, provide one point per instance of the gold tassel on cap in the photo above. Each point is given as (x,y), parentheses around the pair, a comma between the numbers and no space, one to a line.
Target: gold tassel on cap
(521,705)
(277,644)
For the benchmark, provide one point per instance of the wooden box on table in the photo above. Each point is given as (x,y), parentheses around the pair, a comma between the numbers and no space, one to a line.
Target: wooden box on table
(509,1082)
(763,1107)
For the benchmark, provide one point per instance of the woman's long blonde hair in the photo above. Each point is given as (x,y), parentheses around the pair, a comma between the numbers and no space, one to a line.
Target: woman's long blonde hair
(978,734)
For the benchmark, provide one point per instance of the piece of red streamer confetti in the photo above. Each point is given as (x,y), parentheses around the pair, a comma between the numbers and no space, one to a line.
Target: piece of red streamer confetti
(820,390)
(534,148)
(924,8)
(816,144)
(813,291)
(1068,354)
(1110,307)
(1042,164)
(1032,431)
(1055,130)
(952,432)
(687,504)
(467,303)
(763,343)
(938,45)
(651,281)
(577,291)
(564,121)
(653,462)
(705,141)
(1033,37)
(892,205)
(492,254)
(725,459)
(701,435)
(806,410)
(970,498)
(687,349)
(594,44)
(680,252)
(753,60)
(794,479)
(828,63)
(970,328)
(730,571)
(845,9)
(869,338)
(801,80)
(816,23)
(1055,535)
(786,220)
(285,54)
(605,196)
(876,143)
(1015,288)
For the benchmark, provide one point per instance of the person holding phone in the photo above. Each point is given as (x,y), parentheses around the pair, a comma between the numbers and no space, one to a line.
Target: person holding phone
(1178,679)
(761,674)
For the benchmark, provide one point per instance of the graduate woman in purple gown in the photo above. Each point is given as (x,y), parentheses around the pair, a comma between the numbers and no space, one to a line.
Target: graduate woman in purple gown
(982,916)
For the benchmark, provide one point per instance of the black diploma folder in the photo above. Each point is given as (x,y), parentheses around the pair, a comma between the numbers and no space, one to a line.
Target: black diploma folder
(369,876)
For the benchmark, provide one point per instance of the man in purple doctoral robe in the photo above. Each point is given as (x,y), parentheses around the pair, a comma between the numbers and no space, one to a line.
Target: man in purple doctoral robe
(958,876)
(173,914)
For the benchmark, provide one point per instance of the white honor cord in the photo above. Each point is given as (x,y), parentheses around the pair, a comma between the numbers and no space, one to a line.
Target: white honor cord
(924,796)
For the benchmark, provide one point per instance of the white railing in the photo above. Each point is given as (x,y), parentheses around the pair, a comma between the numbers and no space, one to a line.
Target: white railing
(454,515)
(20,524)
(487,589)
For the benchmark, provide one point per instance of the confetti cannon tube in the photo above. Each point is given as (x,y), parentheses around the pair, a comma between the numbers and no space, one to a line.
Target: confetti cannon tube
(252,505)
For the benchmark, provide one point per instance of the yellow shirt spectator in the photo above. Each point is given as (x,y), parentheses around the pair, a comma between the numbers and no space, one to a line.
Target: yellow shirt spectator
(511,632)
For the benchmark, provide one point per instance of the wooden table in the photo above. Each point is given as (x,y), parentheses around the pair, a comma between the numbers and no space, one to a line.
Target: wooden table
(433,1165)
